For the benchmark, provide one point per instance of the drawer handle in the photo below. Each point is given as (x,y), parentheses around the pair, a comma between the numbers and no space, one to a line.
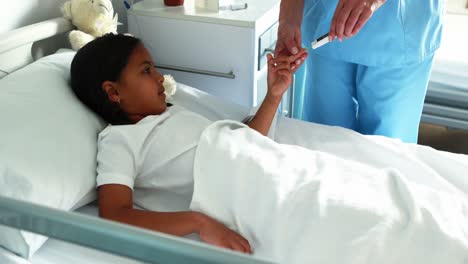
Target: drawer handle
(269,50)
(229,75)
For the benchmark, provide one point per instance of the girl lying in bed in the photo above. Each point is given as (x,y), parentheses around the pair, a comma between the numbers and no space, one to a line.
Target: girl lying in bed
(115,77)
(334,196)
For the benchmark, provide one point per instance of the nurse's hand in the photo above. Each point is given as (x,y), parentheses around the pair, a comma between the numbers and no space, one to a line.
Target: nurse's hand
(217,234)
(350,16)
(289,41)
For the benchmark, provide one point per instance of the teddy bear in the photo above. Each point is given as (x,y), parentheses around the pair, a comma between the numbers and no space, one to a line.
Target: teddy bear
(170,86)
(92,18)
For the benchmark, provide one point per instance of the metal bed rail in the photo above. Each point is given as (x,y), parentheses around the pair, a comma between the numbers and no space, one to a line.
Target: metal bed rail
(113,237)
(446,105)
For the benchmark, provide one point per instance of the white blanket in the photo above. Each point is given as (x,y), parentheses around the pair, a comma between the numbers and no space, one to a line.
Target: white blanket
(398,203)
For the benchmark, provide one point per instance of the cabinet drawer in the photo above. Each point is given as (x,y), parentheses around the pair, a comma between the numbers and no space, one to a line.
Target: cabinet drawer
(266,44)
(228,89)
(195,46)
(218,59)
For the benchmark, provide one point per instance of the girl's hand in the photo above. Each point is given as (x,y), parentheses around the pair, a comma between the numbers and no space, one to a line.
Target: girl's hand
(281,70)
(215,233)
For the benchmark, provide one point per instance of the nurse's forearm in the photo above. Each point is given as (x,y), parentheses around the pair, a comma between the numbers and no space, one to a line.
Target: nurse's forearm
(291,12)
(265,114)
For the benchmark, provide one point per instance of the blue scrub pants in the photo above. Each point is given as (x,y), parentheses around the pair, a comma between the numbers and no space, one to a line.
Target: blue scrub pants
(379,100)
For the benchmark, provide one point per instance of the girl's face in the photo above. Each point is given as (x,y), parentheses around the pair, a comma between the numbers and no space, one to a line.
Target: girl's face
(139,90)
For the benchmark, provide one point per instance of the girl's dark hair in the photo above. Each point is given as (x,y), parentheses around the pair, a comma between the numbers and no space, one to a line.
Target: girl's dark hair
(102,59)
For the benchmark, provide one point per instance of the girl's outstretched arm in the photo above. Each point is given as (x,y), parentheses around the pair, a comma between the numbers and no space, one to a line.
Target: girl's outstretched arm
(280,72)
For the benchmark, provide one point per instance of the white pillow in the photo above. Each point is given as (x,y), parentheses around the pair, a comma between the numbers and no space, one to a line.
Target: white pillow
(214,108)
(47,144)
(207,105)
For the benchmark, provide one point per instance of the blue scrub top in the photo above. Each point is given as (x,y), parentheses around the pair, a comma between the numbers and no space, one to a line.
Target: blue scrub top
(399,33)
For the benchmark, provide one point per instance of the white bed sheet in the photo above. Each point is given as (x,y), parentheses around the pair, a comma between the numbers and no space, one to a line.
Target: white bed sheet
(345,198)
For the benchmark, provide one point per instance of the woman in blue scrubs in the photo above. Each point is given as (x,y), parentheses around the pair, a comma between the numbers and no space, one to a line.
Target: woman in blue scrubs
(373,76)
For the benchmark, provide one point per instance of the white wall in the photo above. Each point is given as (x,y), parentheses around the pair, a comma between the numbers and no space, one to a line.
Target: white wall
(18,13)
(457,6)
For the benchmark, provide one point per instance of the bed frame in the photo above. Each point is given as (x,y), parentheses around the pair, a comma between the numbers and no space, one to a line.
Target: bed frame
(19,48)
(22,46)
(446,105)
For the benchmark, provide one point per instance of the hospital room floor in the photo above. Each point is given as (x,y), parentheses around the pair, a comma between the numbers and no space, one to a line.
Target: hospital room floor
(442,138)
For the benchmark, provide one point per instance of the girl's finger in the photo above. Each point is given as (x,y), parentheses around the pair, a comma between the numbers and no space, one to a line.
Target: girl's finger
(284,72)
(247,247)
(277,62)
(245,243)
(292,58)
(270,62)
(300,54)
(281,66)
(297,58)
(269,58)
(283,59)
(298,63)
(295,70)
(236,245)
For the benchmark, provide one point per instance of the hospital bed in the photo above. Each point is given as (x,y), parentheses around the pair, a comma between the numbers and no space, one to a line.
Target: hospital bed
(79,236)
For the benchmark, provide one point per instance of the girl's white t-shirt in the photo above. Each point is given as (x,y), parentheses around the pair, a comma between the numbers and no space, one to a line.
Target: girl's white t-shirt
(153,157)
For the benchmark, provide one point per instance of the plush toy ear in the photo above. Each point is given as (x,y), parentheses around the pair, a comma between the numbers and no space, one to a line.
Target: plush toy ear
(66,10)
(116,19)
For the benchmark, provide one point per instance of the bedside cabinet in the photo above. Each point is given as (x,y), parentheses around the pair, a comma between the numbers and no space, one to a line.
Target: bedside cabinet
(222,53)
